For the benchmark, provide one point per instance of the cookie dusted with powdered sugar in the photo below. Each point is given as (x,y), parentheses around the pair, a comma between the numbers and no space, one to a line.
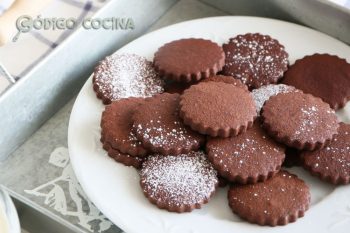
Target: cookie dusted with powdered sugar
(332,163)
(178,183)
(247,158)
(158,126)
(125,75)
(280,200)
(255,59)
(299,120)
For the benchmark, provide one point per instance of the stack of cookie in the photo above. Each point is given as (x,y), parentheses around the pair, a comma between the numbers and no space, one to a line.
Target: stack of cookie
(203,114)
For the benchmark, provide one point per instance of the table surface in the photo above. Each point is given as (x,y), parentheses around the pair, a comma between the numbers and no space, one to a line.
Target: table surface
(39,172)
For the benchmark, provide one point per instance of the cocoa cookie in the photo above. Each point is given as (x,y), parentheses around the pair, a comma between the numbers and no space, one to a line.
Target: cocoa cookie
(322,75)
(189,60)
(262,94)
(293,158)
(158,126)
(116,126)
(332,163)
(299,120)
(248,158)
(255,59)
(125,159)
(178,183)
(280,200)
(125,75)
(217,109)
(226,79)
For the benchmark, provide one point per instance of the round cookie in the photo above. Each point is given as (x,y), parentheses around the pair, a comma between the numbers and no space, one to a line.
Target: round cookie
(322,75)
(247,158)
(262,94)
(178,183)
(187,60)
(217,109)
(226,79)
(300,120)
(280,200)
(116,126)
(255,59)
(158,126)
(125,75)
(125,159)
(332,163)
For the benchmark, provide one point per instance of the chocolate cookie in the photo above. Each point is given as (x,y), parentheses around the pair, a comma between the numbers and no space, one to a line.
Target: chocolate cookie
(248,158)
(125,75)
(262,94)
(217,109)
(331,163)
(116,125)
(226,79)
(255,59)
(158,126)
(322,75)
(189,60)
(300,120)
(278,201)
(125,159)
(178,183)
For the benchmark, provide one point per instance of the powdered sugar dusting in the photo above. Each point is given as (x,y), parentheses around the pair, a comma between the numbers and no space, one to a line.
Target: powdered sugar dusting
(127,75)
(251,149)
(179,180)
(336,155)
(262,94)
(166,134)
(132,140)
(311,119)
(255,59)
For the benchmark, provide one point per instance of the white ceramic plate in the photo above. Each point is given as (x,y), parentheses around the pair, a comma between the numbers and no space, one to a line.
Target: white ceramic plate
(115,189)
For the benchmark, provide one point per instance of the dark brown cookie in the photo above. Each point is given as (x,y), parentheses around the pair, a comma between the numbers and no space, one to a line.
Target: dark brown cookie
(300,120)
(178,183)
(332,163)
(217,109)
(293,158)
(226,79)
(125,75)
(322,75)
(189,60)
(255,59)
(262,94)
(158,126)
(125,159)
(248,158)
(116,126)
(280,200)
